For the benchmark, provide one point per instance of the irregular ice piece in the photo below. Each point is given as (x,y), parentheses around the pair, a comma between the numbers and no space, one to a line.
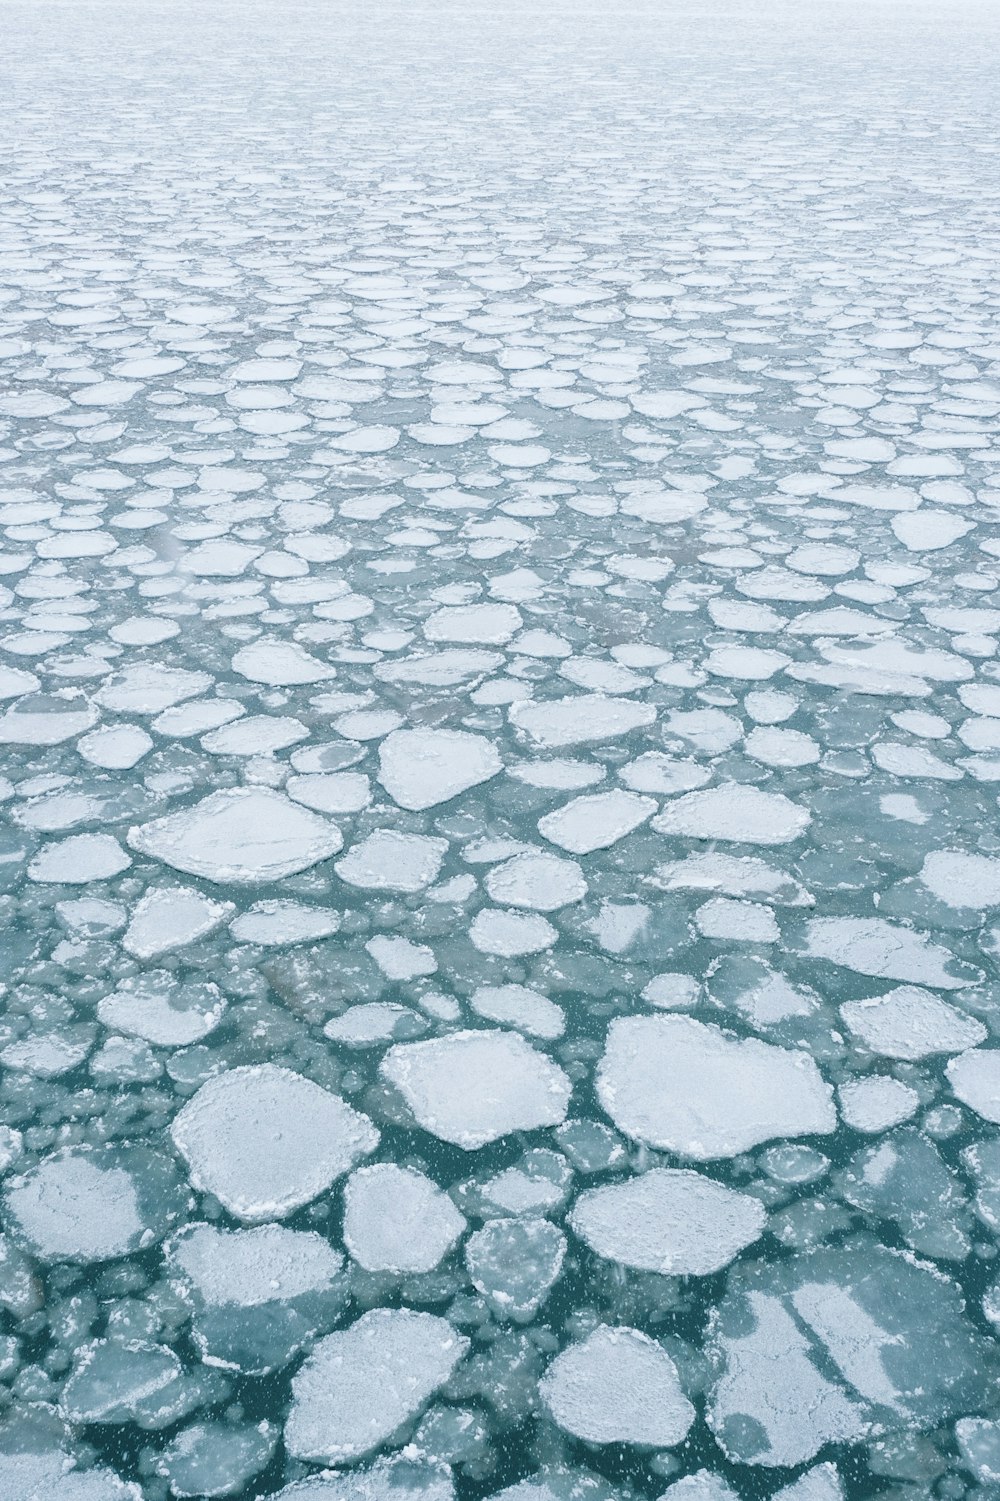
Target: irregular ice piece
(281,663)
(617,1387)
(684,1086)
(397,1220)
(39,1477)
(736,921)
(240,835)
(975,1080)
(772,1405)
(733,875)
(395,1478)
(280,922)
(148,688)
(701,1486)
(95,1203)
(877,1102)
(669,1220)
(389,861)
(471,1088)
(258,1295)
(514,1264)
(265,1140)
(115,747)
(78,860)
(362,1384)
(517,1006)
(910,1023)
(399,959)
(903,1178)
(597,821)
(860,1314)
(962,880)
(46,719)
(559,1483)
(735,812)
(581,720)
(162,1009)
(872,946)
(420,768)
(169,917)
(655,772)
(216,1458)
(482,625)
(510,933)
(819,1484)
(538,881)
(118,1381)
(373,1023)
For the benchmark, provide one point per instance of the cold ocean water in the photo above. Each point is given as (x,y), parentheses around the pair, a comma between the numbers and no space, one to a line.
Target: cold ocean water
(500,720)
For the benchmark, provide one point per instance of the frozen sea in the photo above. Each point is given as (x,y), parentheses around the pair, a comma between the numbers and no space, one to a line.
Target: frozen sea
(499,750)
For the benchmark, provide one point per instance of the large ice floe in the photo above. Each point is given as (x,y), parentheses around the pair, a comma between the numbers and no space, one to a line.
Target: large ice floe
(499,751)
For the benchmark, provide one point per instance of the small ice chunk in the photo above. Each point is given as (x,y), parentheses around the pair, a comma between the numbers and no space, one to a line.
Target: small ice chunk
(672,989)
(910,1023)
(397,1477)
(494,931)
(962,880)
(390,861)
(115,747)
(975,1080)
(265,1140)
(481,625)
(169,917)
(78,860)
(471,1088)
(617,1386)
(669,1220)
(374,1023)
(46,719)
(216,1458)
(399,959)
(655,772)
(872,946)
(149,688)
(162,1009)
(736,812)
(274,923)
(517,1006)
(732,875)
(258,1295)
(587,718)
(538,881)
(95,1204)
(701,1486)
(514,1265)
(737,921)
(684,1086)
(280,663)
(332,792)
(239,835)
(41,1476)
(819,1484)
(396,1219)
(596,821)
(361,1385)
(562,775)
(877,1102)
(420,768)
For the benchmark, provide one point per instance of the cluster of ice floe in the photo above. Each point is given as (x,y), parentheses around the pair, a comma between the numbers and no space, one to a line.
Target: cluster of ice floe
(500,718)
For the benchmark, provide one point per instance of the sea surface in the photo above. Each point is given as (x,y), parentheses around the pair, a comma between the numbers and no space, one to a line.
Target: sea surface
(499,750)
